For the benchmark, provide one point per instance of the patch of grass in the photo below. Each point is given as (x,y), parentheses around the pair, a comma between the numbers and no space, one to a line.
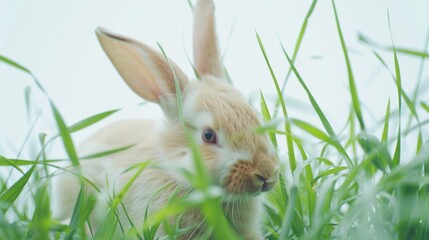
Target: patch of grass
(354,185)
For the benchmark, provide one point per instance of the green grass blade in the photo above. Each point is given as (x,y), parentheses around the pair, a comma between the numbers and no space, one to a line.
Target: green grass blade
(327,173)
(267,117)
(11,194)
(82,209)
(289,140)
(299,40)
(425,106)
(14,64)
(179,97)
(406,51)
(314,131)
(65,136)
(319,112)
(419,143)
(90,121)
(397,154)
(352,84)
(118,199)
(106,153)
(14,163)
(370,143)
(421,69)
(41,224)
(191,6)
(311,195)
(408,101)
(290,214)
(385,133)
(202,179)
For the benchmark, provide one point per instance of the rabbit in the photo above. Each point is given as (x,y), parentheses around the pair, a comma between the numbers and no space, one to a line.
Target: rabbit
(240,161)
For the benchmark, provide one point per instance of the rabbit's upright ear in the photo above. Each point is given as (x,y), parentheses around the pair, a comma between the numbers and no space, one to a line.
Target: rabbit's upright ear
(206,50)
(145,70)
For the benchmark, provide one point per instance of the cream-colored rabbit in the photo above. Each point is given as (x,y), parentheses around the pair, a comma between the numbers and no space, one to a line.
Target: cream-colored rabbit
(238,160)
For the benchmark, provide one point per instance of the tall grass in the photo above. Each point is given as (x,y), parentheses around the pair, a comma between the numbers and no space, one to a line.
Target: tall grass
(351,185)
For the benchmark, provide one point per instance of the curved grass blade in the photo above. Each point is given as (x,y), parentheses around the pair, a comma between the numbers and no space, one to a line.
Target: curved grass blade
(90,120)
(11,194)
(290,214)
(319,112)
(314,131)
(406,51)
(385,133)
(14,64)
(106,153)
(179,97)
(352,84)
(267,117)
(289,141)
(425,106)
(65,136)
(297,46)
(327,173)
(397,154)
(370,143)
(408,101)
(82,209)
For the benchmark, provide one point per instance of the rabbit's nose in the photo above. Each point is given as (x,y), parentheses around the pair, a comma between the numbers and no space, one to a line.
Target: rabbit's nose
(266,182)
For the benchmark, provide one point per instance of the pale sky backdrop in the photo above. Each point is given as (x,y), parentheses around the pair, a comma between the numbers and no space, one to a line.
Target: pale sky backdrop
(55,39)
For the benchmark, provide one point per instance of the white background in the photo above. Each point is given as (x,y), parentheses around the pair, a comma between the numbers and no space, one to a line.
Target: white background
(55,39)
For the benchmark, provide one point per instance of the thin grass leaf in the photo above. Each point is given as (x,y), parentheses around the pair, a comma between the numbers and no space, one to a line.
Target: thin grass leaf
(118,199)
(385,133)
(327,173)
(11,194)
(319,112)
(227,76)
(65,136)
(421,68)
(27,97)
(314,131)
(289,141)
(406,51)
(179,97)
(267,117)
(106,153)
(191,6)
(311,195)
(14,64)
(110,221)
(40,224)
(408,101)
(352,84)
(290,214)
(297,46)
(197,75)
(425,106)
(419,143)
(81,211)
(14,163)
(397,154)
(90,121)
(370,143)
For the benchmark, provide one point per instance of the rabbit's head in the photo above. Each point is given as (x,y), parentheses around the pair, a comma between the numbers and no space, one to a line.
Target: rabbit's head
(223,124)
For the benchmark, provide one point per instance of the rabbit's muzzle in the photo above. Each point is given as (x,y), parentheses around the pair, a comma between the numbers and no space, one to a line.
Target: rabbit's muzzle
(253,176)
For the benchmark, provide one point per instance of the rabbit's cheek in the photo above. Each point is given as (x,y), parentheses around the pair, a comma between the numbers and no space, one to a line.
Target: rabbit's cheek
(240,179)
(211,160)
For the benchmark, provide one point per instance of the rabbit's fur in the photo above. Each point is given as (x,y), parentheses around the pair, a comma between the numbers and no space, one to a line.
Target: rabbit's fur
(241,161)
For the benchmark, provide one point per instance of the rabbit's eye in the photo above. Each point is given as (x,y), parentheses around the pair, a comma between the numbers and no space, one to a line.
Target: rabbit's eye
(209,136)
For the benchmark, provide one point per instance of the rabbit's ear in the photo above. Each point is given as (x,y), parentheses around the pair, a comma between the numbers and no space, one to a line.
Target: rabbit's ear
(206,50)
(145,70)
